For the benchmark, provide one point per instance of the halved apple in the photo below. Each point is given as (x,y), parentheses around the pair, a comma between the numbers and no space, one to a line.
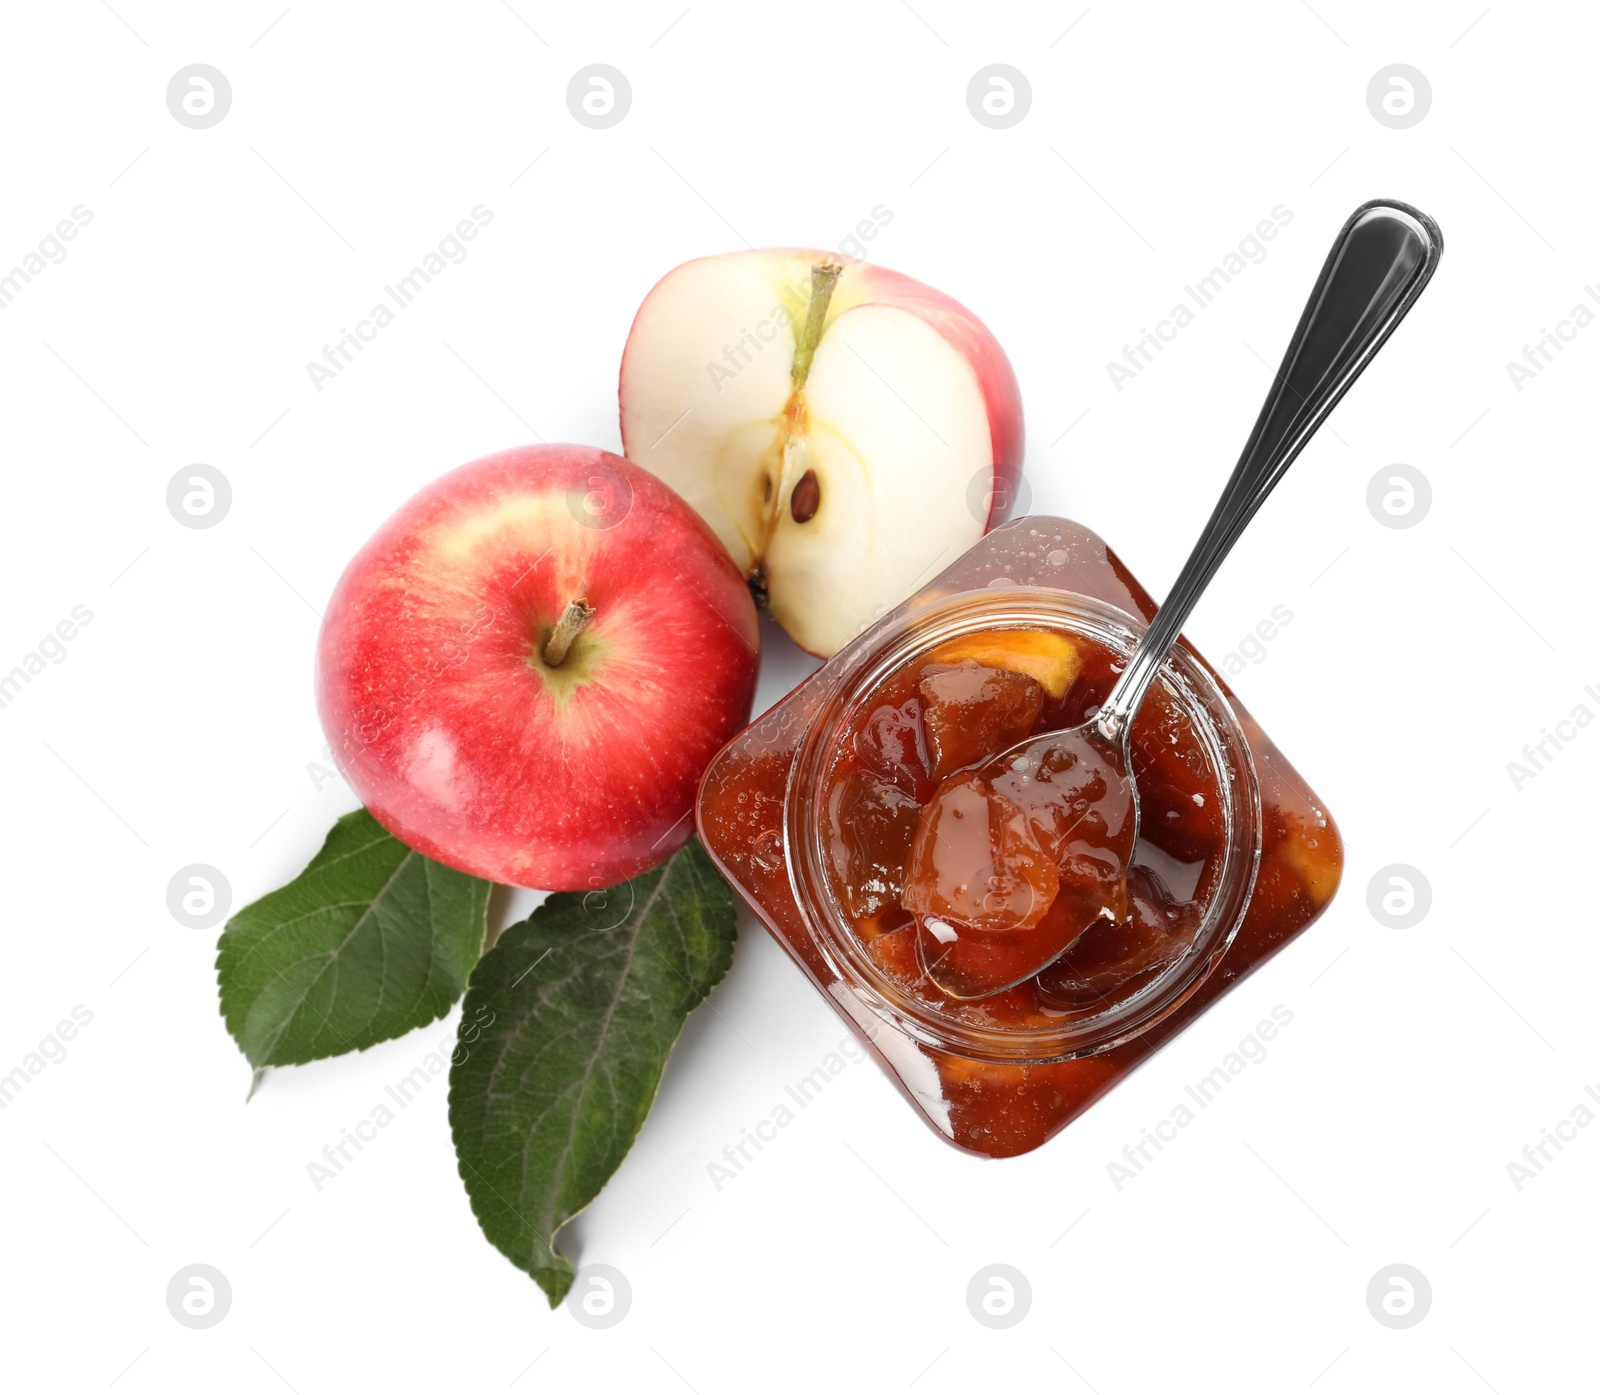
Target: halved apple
(845,430)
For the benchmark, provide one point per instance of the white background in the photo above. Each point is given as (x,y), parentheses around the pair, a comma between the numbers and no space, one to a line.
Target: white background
(180,726)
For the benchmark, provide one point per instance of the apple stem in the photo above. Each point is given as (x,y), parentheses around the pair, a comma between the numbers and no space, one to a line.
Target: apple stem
(577,614)
(824,277)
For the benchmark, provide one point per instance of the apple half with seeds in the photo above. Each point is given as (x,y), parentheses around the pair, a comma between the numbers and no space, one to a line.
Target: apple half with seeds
(845,430)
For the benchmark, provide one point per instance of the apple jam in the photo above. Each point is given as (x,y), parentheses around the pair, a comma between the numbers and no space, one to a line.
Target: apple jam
(814,811)
(911,812)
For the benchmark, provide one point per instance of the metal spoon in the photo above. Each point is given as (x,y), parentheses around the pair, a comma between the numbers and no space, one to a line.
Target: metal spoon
(1061,809)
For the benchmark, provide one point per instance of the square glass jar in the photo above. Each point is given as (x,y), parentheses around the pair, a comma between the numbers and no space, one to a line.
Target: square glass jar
(994,1089)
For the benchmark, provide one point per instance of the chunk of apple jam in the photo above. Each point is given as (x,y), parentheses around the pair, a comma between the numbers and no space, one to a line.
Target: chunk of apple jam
(976,860)
(871,823)
(970,711)
(1051,660)
(890,742)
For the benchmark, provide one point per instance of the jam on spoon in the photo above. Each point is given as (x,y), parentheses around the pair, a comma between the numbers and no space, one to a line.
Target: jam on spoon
(1012,860)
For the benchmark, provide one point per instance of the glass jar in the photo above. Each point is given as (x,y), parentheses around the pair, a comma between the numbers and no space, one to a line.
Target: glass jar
(993,1087)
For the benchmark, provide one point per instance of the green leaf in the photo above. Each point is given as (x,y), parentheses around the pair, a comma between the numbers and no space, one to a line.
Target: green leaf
(564,1034)
(371,940)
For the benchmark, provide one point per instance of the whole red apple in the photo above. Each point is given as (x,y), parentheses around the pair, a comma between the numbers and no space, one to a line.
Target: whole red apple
(525,671)
(846,431)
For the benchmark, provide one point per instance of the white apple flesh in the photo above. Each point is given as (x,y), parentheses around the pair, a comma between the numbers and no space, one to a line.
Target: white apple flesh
(845,430)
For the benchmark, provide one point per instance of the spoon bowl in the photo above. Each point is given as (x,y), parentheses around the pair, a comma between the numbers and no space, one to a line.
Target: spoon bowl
(1016,858)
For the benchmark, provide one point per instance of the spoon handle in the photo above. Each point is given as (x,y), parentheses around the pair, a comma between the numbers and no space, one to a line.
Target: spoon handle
(1380,262)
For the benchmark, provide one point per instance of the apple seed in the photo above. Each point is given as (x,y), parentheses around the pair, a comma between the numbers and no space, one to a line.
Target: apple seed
(807,496)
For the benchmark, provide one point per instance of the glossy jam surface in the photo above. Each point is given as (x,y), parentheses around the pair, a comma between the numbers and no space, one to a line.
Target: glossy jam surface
(994,1108)
(970,881)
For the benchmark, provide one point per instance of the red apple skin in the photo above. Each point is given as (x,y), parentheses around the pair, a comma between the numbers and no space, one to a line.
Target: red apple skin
(457,736)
